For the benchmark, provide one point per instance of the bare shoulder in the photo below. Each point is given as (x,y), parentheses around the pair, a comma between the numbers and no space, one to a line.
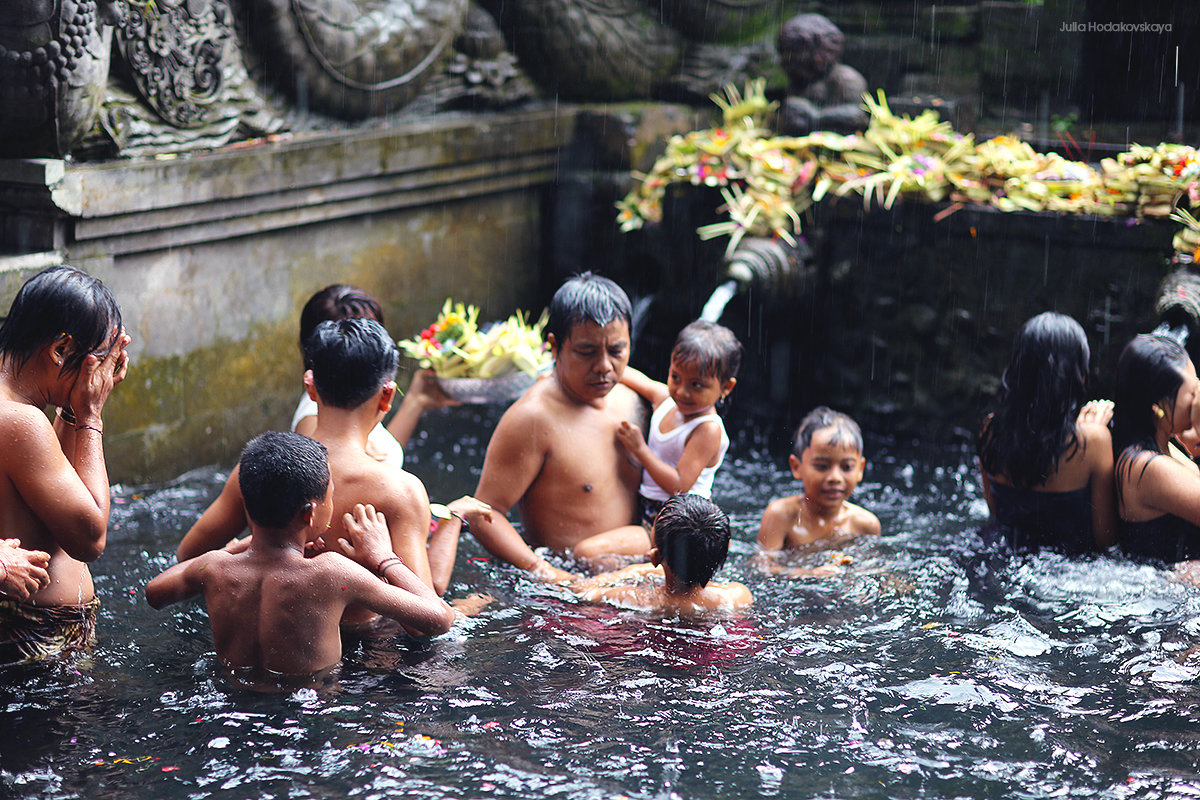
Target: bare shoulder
(778,518)
(863,521)
(393,490)
(624,403)
(732,595)
(23,419)
(534,410)
(782,509)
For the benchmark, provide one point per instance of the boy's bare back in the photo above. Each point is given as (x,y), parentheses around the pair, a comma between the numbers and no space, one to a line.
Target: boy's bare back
(279,615)
(642,587)
(275,612)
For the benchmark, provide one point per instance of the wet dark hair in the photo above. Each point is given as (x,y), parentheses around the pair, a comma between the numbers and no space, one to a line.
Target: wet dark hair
(711,347)
(1149,371)
(57,301)
(350,360)
(821,417)
(1043,388)
(692,536)
(586,298)
(279,474)
(337,301)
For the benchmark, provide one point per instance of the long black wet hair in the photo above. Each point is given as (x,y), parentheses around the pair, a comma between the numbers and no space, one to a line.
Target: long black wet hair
(1042,391)
(60,301)
(1149,371)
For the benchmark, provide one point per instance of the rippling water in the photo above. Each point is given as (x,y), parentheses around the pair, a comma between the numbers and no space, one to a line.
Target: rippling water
(923,671)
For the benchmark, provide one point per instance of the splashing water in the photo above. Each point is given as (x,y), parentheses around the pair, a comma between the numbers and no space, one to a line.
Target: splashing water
(1179,334)
(715,306)
(923,669)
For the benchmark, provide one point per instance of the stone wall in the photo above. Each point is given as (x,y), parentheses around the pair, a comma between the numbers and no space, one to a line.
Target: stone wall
(212,255)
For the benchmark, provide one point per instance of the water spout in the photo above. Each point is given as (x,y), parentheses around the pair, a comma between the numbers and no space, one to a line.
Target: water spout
(1179,333)
(1178,305)
(639,317)
(771,265)
(715,307)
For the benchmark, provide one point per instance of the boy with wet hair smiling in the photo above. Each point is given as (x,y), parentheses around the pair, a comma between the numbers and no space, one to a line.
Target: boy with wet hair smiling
(691,540)
(827,459)
(275,613)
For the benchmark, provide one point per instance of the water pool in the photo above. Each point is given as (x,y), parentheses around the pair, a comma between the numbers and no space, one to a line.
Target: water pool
(921,672)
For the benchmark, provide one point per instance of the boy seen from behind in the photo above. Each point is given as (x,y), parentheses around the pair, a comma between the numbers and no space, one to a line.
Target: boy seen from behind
(827,459)
(275,613)
(691,540)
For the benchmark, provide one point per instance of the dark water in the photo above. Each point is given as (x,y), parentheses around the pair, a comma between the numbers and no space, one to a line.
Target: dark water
(920,672)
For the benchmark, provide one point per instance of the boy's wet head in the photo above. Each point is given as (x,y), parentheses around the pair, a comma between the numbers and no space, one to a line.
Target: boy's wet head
(712,348)
(57,302)
(280,473)
(846,431)
(691,534)
(351,360)
(586,298)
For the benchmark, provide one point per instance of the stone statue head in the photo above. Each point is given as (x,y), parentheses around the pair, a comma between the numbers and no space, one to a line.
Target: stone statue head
(809,46)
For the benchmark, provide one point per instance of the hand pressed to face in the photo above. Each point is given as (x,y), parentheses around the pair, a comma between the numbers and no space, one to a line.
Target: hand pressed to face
(830,468)
(590,362)
(97,377)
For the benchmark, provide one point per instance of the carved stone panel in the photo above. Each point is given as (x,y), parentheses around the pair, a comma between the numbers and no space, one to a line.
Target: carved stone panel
(354,58)
(53,67)
(174,50)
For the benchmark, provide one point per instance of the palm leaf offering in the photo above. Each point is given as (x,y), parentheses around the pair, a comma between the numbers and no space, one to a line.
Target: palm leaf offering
(456,346)
(768,181)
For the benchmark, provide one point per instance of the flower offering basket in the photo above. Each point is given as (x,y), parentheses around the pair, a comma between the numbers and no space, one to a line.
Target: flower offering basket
(487,390)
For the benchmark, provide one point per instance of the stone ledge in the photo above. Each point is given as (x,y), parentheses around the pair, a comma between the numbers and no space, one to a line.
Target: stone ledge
(120,207)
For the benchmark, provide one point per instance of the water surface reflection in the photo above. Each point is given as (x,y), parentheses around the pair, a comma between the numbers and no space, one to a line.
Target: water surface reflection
(923,670)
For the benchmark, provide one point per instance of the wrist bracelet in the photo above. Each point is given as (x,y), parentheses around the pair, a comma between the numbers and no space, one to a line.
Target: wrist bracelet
(89,428)
(382,566)
(67,415)
(458,516)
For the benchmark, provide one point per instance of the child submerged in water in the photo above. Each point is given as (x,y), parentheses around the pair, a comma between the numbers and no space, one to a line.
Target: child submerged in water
(691,540)
(275,613)
(827,459)
(686,440)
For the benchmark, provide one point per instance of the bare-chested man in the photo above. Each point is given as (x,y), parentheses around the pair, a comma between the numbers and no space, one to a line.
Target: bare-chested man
(62,344)
(352,364)
(555,453)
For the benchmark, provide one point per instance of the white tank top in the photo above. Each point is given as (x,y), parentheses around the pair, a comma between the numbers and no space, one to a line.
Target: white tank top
(669,447)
